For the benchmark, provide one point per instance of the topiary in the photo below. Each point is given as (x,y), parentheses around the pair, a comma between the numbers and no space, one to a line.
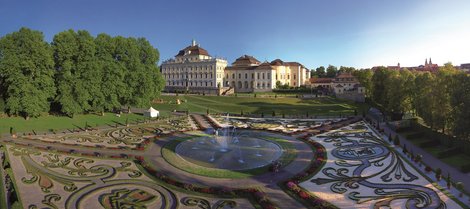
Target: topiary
(438,174)
(396,141)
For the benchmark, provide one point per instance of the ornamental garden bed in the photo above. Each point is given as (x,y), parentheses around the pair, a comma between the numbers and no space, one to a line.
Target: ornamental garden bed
(363,171)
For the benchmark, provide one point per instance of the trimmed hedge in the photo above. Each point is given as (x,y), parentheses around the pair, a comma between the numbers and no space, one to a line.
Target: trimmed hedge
(449,152)
(431,143)
(415,135)
(465,168)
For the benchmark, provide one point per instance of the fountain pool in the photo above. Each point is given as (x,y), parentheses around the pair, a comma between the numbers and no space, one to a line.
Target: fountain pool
(229,149)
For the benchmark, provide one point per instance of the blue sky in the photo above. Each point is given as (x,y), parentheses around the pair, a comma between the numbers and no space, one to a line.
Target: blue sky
(358,33)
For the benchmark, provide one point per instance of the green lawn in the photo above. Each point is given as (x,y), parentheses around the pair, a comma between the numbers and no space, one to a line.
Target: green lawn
(289,106)
(45,123)
(326,106)
(457,160)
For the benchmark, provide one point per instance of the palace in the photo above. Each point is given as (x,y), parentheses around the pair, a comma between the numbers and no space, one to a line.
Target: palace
(194,70)
(247,74)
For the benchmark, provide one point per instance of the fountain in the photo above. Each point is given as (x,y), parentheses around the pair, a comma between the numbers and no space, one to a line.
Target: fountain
(228,148)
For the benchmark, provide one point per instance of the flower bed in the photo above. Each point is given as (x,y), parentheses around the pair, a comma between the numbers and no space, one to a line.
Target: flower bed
(258,196)
(291,186)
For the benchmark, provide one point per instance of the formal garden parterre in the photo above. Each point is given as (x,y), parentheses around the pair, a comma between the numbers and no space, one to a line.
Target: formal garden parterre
(347,166)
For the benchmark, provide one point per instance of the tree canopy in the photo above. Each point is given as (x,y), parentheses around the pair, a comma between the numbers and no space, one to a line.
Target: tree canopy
(26,71)
(76,73)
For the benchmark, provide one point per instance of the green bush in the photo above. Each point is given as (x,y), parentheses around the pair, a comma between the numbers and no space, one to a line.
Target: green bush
(396,141)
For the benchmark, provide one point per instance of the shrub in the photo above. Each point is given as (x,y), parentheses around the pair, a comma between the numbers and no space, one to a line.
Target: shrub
(396,141)
(459,186)
(428,169)
(438,174)
(449,182)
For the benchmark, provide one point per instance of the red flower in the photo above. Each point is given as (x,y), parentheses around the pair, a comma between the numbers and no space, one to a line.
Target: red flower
(303,195)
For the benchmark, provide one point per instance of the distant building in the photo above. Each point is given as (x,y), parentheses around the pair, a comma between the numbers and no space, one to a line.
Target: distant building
(247,74)
(194,70)
(325,83)
(465,67)
(344,86)
(428,66)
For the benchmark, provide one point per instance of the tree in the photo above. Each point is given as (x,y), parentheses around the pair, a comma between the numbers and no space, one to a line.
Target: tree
(460,101)
(443,109)
(381,75)
(320,72)
(331,71)
(26,72)
(112,85)
(365,78)
(78,76)
(423,101)
(343,69)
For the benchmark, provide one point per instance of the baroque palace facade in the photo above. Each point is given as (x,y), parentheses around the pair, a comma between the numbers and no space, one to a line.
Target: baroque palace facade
(247,74)
(194,70)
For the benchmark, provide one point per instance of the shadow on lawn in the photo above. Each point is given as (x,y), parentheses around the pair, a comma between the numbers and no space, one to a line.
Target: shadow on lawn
(292,109)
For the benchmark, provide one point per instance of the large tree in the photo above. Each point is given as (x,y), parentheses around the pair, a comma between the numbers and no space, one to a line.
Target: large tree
(381,75)
(364,76)
(320,72)
(78,76)
(331,71)
(343,69)
(442,92)
(26,71)
(423,102)
(113,71)
(460,101)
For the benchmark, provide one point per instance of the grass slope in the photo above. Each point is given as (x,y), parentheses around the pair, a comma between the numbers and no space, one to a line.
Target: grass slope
(44,123)
(288,106)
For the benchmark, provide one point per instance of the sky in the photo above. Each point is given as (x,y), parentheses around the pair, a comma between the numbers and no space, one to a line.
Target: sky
(356,33)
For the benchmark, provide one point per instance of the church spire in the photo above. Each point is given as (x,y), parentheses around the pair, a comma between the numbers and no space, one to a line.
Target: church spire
(193,43)
(430,62)
(426,62)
